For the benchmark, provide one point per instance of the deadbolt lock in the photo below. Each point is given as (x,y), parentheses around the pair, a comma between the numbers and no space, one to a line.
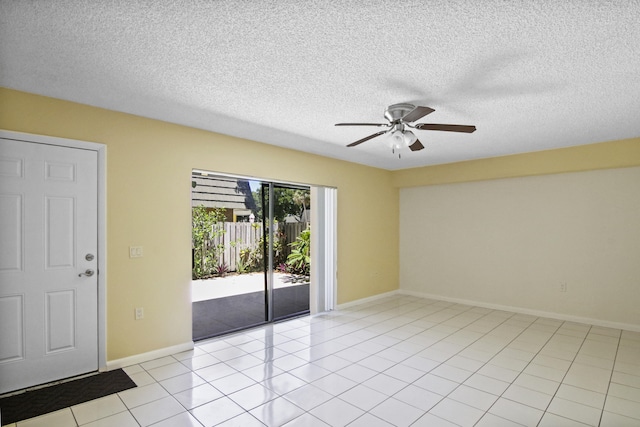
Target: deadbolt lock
(89,257)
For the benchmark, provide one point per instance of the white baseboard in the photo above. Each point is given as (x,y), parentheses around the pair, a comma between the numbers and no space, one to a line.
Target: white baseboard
(521,310)
(151,355)
(365,300)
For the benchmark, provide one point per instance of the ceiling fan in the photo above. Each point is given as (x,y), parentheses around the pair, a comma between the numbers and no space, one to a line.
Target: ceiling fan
(401,118)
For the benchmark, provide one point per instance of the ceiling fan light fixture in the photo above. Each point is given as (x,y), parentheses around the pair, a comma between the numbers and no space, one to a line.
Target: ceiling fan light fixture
(409,137)
(396,139)
(399,138)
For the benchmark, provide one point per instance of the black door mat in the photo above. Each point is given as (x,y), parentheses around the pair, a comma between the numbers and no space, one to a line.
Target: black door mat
(55,397)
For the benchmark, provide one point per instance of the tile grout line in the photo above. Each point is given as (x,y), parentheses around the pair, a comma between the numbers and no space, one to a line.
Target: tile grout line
(613,368)
(443,362)
(567,372)
(397,363)
(522,370)
(427,372)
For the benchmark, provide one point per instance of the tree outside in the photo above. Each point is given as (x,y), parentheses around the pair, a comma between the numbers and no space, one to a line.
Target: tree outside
(290,202)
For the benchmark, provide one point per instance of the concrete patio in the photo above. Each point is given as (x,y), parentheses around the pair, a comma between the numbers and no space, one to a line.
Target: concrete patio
(237,284)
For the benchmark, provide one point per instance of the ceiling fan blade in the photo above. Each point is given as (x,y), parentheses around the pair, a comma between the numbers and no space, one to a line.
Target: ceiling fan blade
(446,128)
(416,146)
(362,124)
(360,141)
(417,113)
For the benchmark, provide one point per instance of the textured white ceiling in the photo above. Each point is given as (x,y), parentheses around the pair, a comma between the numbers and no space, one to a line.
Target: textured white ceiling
(531,75)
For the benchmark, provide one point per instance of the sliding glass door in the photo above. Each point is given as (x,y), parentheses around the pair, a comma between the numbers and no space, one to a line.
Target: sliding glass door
(250,253)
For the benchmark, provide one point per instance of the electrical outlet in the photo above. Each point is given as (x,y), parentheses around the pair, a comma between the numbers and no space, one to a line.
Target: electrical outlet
(139,313)
(135,251)
(563,287)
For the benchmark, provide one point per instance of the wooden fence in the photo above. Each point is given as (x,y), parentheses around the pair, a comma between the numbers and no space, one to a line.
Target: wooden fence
(245,235)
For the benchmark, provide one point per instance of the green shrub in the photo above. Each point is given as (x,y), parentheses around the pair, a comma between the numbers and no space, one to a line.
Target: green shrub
(299,260)
(205,226)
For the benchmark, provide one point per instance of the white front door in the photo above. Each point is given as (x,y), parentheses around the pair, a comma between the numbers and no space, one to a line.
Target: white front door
(48,263)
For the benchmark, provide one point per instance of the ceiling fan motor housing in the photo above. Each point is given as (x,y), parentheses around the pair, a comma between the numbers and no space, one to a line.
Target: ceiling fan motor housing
(395,112)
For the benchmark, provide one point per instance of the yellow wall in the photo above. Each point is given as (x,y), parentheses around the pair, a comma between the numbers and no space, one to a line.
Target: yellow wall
(604,155)
(149,165)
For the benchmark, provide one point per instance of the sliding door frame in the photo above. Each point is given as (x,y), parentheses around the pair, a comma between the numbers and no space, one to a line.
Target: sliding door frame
(323,277)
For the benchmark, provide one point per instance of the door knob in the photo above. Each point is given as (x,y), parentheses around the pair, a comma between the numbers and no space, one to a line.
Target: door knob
(89,272)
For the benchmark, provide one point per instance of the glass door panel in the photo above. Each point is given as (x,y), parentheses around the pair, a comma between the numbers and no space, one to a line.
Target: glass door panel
(290,251)
(229,273)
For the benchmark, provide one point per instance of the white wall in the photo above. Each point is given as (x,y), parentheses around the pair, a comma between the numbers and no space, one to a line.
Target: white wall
(512,242)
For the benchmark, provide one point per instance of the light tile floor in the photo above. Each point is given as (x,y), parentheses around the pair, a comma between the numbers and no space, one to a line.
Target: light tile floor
(397,361)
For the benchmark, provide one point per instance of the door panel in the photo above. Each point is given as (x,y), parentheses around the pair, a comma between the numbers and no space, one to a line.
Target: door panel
(11,232)
(12,321)
(289,294)
(60,239)
(228,302)
(48,312)
(60,326)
